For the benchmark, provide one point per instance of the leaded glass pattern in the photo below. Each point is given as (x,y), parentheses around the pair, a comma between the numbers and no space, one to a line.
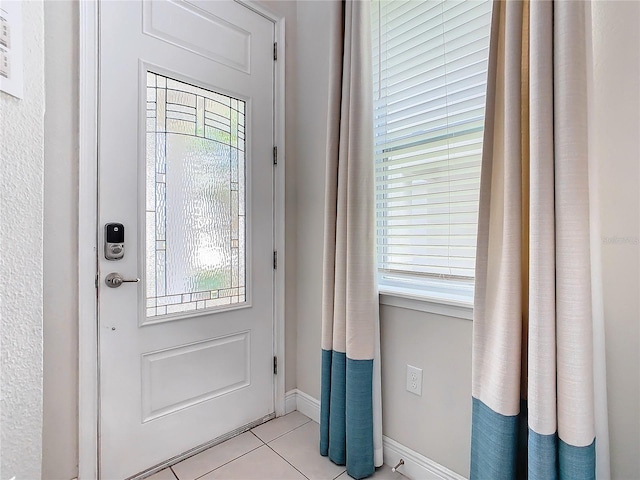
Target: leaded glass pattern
(195,198)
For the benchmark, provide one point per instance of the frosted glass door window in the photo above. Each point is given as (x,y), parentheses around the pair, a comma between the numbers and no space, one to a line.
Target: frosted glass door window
(195,198)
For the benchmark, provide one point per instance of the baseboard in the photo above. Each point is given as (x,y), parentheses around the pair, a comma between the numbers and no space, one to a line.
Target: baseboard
(416,466)
(305,404)
(290,401)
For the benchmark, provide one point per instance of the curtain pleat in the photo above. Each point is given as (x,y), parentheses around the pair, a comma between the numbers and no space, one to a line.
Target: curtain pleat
(350,410)
(533,336)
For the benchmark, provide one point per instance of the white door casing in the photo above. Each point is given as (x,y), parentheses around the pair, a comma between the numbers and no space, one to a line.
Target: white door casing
(157,398)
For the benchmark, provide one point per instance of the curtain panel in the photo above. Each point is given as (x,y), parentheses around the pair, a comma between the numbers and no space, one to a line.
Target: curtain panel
(533,354)
(350,408)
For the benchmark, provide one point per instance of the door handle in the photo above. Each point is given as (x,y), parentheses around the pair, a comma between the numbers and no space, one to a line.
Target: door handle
(114,280)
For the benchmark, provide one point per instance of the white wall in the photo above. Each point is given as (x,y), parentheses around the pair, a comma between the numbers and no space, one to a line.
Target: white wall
(616,70)
(310,133)
(438,423)
(21,204)
(61,248)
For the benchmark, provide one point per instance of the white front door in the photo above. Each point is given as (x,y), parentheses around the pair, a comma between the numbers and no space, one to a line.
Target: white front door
(185,168)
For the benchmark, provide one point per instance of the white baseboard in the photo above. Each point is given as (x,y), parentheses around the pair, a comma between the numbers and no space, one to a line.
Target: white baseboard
(416,466)
(305,404)
(290,401)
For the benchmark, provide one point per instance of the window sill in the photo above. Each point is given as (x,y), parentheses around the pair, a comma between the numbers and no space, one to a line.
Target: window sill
(438,306)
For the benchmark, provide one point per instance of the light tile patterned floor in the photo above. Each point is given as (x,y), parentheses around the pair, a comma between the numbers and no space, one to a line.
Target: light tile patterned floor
(282,449)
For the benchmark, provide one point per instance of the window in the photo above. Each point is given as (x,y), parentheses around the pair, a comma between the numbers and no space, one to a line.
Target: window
(195,242)
(429,70)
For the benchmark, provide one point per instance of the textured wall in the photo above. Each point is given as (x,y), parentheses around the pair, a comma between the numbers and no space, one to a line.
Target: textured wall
(59,435)
(21,204)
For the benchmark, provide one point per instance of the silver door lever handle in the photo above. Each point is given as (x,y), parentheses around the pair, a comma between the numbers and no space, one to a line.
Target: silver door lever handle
(114,280)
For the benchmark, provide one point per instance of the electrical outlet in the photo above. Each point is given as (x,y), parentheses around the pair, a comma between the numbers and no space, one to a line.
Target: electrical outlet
(414,380)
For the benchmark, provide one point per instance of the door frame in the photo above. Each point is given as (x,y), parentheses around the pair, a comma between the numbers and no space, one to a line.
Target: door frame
(88,371)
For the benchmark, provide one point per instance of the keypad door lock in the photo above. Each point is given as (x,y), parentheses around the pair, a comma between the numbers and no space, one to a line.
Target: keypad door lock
(113,241)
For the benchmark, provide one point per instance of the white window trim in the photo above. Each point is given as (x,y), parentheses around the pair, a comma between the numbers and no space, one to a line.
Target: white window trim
(422,303)
(441,296)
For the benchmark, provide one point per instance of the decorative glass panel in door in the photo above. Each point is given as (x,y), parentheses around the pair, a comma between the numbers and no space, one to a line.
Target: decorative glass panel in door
(195,198)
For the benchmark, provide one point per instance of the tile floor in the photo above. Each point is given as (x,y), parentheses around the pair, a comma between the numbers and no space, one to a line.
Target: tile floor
(282,449)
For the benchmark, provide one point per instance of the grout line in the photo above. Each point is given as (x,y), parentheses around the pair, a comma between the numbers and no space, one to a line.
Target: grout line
(300,426)
(256,448)
(342,472)
(285,433)
(242,455)
(263,442)
(232,460)
(292,465)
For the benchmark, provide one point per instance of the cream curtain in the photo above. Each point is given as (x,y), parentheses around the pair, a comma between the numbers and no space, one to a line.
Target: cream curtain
(533,349)
(351,411)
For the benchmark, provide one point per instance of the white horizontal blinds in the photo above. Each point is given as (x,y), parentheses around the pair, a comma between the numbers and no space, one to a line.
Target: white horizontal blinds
(430,68)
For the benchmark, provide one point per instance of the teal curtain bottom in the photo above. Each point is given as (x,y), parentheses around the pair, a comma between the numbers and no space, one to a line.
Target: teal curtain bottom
(551,458)
(504,448)
(346,413)
(494,444)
